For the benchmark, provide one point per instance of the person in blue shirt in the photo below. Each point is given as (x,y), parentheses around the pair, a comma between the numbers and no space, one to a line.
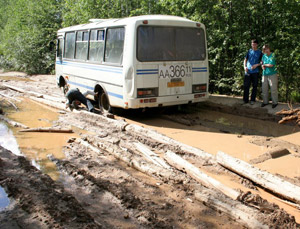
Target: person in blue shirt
(251,67)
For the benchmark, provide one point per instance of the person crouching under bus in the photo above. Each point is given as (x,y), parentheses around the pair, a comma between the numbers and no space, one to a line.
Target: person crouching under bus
(75,98)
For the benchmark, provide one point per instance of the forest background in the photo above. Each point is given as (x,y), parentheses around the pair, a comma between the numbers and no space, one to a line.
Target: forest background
(28,33)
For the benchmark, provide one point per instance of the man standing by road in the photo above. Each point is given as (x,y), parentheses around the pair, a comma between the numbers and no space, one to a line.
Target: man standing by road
(251,64)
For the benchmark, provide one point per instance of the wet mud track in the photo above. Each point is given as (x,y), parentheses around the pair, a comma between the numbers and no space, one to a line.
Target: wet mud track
(105,181)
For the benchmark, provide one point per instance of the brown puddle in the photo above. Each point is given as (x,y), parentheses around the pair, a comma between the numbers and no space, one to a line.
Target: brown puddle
(211,140)
(36,146)
(14,78)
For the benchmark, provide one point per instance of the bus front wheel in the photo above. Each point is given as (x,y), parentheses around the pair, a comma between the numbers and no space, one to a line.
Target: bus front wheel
(103,103)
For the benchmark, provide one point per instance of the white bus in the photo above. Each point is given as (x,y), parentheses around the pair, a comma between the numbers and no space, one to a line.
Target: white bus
(135,62)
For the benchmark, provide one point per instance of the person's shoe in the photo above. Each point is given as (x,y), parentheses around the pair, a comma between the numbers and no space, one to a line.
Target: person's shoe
(264,104)
(252,102)
(245,103)
(274,105)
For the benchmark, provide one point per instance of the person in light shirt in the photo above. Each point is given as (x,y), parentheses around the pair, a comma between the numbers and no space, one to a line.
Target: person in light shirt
(269,77)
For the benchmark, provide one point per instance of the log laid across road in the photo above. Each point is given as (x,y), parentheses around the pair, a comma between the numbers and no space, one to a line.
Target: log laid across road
(269,181)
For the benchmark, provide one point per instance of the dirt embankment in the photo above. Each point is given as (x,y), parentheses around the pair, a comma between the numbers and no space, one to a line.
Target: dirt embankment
(105,181)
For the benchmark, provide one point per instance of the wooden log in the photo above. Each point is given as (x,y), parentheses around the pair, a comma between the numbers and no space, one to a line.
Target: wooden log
(278,152)
(13,123)
(11,103)
(288,119)
(269,181)
(181,164)
(151,155)
(57,105)
(297,206)
(119,124)
(273,153)
(234,209)
(36,94)
(48,130)
(14,88)
(86,144)
(169,141)
(136,161)
(287,112)
(9,97)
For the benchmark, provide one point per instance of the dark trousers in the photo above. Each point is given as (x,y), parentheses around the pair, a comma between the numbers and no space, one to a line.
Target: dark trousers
(248,80)
(75,94)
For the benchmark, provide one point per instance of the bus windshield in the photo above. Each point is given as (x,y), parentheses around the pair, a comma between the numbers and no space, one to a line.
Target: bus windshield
(157,43)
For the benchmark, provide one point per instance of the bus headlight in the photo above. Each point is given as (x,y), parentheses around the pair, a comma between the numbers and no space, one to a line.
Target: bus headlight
(198,88)
(147,92)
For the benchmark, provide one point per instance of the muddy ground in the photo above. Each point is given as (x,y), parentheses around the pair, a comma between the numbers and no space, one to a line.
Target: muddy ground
(101,180)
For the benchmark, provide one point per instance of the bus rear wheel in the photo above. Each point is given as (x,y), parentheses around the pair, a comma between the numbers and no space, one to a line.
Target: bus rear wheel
(103,103)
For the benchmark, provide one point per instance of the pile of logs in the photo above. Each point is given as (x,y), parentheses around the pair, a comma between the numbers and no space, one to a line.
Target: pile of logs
(290,115)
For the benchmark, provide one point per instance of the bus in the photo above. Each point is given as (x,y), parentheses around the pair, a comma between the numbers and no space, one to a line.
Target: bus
(136,62)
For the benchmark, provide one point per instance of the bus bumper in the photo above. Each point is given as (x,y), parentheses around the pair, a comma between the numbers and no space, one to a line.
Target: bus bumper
(166,100)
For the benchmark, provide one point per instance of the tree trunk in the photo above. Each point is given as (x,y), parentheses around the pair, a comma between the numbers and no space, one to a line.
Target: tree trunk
(183,165)
(272,183)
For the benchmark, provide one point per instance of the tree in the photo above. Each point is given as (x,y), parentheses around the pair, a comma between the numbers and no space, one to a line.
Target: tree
(28,38)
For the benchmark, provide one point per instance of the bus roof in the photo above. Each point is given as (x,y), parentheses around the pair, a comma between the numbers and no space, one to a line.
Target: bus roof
(97,23)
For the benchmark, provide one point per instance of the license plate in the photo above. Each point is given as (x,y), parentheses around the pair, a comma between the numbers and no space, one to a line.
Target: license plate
(176,84)
(174,71)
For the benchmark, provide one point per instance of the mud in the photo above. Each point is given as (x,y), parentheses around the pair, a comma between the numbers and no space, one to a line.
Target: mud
(114,186)
(39,201)
(275,214)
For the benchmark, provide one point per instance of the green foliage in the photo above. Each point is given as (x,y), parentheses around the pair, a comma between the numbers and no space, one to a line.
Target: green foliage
(27,38)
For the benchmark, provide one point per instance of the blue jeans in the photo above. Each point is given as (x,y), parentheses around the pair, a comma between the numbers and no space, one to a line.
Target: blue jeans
(248,80)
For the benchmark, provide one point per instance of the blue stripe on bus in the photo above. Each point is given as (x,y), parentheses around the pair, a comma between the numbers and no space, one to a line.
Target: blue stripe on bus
(80,85)
(91,88)
(115,95)
(146,71)
(155,71)
(92,67)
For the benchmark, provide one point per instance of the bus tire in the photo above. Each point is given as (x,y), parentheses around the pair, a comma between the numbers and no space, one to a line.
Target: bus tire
(104,104)
(64,89)
(63,85)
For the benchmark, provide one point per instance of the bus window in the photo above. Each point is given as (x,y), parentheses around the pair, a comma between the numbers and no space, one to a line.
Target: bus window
(60,47)
(70,45)
(170,44)
(82,39)
(96,45)
(114,45)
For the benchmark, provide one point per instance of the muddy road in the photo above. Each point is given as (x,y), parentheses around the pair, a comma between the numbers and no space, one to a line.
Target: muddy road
(120,172)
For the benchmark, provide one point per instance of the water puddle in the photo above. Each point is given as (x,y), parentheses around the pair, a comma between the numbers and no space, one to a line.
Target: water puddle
(4,200)
(8,140)
(254,126)
(37,146)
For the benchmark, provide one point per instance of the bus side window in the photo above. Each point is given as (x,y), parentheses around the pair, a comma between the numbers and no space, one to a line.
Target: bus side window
(70,45)
(96,45)
(114,45)
(60,48)
(82,45)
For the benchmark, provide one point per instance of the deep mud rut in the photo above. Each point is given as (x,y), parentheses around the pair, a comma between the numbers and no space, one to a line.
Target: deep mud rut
(105,182)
